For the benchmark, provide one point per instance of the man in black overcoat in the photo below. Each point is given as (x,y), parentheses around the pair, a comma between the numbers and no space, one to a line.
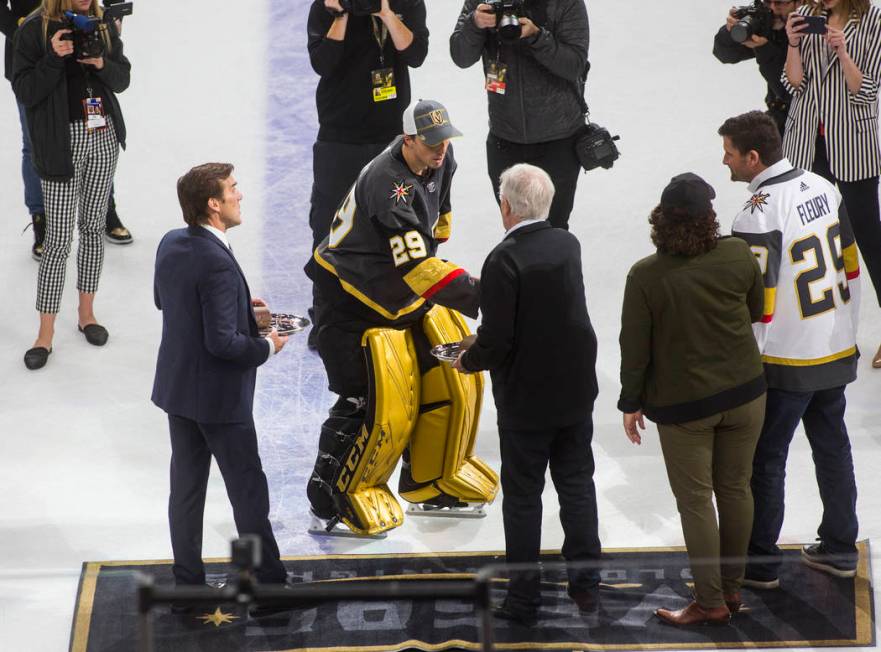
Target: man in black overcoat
(538,344)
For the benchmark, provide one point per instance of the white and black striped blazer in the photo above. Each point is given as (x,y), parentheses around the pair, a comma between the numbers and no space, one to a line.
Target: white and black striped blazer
(850,120)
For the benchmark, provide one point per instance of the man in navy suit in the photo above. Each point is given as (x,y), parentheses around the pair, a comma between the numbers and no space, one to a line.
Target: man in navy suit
(206,371)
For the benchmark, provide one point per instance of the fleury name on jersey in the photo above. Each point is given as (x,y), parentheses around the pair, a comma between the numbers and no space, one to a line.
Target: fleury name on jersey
(797,227)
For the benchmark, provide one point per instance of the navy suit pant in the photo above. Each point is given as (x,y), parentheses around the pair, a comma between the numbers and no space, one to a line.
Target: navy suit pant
(234,446)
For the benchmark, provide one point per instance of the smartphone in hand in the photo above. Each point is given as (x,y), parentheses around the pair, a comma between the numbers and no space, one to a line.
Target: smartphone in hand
(815,24)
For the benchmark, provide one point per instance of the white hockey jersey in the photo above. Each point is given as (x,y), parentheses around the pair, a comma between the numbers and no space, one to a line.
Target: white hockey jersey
(798,229)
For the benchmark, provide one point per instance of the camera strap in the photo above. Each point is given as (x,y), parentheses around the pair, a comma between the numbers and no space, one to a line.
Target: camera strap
(580,87)
(380,33)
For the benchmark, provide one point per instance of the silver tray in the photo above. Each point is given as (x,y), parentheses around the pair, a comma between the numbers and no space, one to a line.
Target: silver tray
(447,352)
(285,324)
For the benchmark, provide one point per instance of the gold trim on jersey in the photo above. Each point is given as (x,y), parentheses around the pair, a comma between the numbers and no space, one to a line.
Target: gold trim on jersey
(427,274)
(443,228)
(770,302)
(363,298)
(851,258)
(794,362)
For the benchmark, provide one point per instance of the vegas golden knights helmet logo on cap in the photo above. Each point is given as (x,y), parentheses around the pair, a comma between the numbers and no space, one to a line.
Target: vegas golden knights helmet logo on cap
(437,117)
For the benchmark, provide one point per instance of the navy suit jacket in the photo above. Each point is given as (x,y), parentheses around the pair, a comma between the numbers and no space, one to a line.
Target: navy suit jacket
(210,349)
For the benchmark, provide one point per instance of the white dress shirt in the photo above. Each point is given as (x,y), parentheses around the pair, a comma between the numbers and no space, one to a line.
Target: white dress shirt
(522,223)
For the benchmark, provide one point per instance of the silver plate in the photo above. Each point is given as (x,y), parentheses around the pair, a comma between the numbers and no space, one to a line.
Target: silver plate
(285,324)
(447,352)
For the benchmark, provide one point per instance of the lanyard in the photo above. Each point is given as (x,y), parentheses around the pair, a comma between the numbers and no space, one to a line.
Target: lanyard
(381,36)
(87,77)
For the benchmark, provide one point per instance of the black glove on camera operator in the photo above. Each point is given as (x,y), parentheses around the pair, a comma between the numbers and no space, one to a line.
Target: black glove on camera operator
(758,31)
(534,56)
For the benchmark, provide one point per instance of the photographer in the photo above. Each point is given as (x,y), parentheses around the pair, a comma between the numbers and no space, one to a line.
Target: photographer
(363,60)
(534,83)
(76,128)
(12,14)
(833,74)
(767,45)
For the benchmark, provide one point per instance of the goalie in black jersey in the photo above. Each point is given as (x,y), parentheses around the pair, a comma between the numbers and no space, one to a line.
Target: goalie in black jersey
(378,268)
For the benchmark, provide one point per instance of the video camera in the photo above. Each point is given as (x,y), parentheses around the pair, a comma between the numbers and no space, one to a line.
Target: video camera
(507,18)
(756,19)
(361,7)
(86,30)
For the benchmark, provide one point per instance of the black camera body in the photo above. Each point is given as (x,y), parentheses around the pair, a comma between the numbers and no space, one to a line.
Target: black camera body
(86,31)
(756,19)
(596,148)
(508,14)
(361,7)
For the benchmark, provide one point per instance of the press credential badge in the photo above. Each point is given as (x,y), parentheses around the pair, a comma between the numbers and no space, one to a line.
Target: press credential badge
(93,108)
(496,77)
(384,88)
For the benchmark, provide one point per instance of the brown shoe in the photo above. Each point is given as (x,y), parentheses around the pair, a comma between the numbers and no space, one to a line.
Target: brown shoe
(694,614)
(876,361)
(733,602)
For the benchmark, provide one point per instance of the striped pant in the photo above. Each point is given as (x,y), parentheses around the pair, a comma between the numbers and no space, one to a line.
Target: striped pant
(82,200)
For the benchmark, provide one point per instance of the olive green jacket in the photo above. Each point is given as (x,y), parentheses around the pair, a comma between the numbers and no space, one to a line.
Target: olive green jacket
(687,346)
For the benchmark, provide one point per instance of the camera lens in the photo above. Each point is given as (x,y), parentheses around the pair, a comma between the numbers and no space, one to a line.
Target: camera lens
(743,29)
(509,27)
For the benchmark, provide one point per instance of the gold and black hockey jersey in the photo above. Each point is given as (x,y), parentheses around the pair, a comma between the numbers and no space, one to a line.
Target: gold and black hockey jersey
(382,245)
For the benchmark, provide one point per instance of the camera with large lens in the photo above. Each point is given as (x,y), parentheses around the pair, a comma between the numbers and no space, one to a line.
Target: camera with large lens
(361,7)
(86,31)
(507,18)
(756,19)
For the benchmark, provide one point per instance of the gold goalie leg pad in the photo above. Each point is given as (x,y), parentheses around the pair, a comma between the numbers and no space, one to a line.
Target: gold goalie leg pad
(442,469)
(366,505)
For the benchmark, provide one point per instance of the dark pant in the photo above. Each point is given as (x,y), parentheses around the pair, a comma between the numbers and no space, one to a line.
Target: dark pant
(556,157)
(822,413)
(861,201)
(33,193)
(526,455)
(234,446)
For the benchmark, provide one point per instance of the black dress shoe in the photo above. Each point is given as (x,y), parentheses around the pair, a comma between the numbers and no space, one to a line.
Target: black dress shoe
(587,601)
(95,334)
(36,357)
(526,618)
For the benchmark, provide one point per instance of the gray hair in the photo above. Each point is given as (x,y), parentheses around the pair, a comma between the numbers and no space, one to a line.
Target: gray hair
(529,191)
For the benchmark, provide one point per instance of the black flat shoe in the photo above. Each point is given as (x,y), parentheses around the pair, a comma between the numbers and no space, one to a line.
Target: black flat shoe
(36,357)
(95,334)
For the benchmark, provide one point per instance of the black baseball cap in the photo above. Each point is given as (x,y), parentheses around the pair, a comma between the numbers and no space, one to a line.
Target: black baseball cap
(429,121)
(690,193)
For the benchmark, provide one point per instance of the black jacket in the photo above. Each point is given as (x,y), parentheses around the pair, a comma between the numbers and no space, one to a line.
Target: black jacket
(11,11)
(771,58)
(210,349)
(40,83)
(344,98)
(543,99)
(535,337)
